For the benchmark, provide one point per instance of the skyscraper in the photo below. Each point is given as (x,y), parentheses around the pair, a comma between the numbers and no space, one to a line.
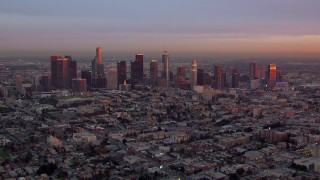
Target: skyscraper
(181,72)
(44,83)
(72,69)
(180,76)
(137,70)
(279,75)
(96,65)
(79,85)
(54,71)
(200,76)
(85,74)
(112,80)
(224,82)
(154,73)
(193,74)
(254,71)
(218,77)
(98,58)
(140,60)
(263,72)
(207,78)
(122,71)
(63,73)
(271,75)
(63,70)
(235,78)
(19,81)
(98,82)
(165,66)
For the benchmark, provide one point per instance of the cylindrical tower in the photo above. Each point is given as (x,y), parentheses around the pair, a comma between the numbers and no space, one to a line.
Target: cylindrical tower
(193,74)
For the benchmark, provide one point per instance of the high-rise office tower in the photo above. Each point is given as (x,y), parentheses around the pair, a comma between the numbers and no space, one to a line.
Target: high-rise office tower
(98,58)
(54,71)
(254,70)
(122,72)
(72,69)
(193,74)
(200,76)
(235,78)
(112,80)
(19,81)
(207,78)
(63,73)
(271,75)
(96,65)
(258,74)
(98,82)
(263,72)
(139,58)
(134,73)
(44,83)
(181,72)
(154,73)
(180,76)
(165,66)
(79,85)
(171,76)
(63,70)
(224,79)
(218,77)
(279,76)
(85,74)
(137,70)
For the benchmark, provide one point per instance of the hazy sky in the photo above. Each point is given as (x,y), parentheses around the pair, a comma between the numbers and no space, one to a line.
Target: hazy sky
(202,27)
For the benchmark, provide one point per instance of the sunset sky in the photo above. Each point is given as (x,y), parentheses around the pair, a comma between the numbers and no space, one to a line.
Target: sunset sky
(203,27)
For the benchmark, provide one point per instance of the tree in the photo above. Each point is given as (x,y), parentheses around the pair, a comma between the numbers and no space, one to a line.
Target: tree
(156,174)
(47,169)
(233,176)
(144,177)
(107,172)
(182,169)
(182,150)
(62,175)
(240,171)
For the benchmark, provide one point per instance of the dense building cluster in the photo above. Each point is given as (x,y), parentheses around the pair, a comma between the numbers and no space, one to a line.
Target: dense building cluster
(218,122)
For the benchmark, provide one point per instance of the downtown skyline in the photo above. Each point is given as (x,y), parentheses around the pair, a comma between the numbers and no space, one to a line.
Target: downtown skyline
(251,28)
